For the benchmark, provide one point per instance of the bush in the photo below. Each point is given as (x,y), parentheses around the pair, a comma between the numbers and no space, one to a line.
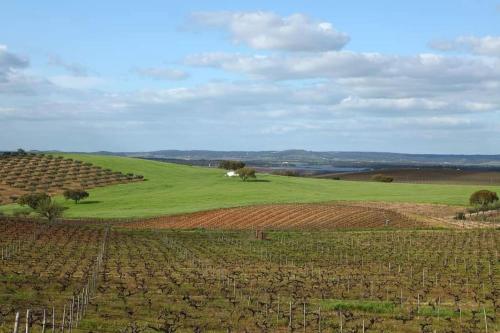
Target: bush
(49,209)
(483,198)
(231,165)
(246,173)
(32,200)
(382,178)
(287,173)
(23,212)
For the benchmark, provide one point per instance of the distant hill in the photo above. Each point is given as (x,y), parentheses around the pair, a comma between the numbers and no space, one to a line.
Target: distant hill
(339,159)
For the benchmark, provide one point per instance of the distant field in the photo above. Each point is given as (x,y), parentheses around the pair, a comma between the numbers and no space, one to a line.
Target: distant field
(426,176)
(173,189)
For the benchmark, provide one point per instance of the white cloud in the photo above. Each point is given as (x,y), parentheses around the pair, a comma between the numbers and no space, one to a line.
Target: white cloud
(13,79)
(347,64)
(77,82)
(479,106)
(159,73)
(269,31)
(74,69)
(10,61)
(485,46)
(353,101)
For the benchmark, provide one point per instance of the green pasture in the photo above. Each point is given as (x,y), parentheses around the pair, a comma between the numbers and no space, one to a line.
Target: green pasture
(173,189)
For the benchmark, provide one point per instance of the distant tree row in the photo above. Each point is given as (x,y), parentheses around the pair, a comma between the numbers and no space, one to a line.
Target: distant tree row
(382,178)
(19,152)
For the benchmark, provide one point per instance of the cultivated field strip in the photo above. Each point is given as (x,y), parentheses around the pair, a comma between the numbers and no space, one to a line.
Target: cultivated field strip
(220,281)
(286,216)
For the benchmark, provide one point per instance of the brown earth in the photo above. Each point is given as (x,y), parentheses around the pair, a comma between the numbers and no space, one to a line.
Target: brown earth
(323,216)
(426,176)
(286,216)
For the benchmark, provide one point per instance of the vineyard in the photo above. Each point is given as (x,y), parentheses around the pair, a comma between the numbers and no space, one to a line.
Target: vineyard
(295,216)
(228,281)
(24,173)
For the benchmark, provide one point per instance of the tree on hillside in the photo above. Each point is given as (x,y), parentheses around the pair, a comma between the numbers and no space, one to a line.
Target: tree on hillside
(49,209)
(483,198)
(75,194)
(32,200)
(231,165)
(246,173)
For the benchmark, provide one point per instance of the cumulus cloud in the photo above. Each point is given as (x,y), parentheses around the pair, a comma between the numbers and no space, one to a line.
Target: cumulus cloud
(359,100)
(269,31)
(484,46)
(161,73)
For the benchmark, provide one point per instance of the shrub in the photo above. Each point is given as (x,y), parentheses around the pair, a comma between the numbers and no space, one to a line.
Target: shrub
(483,198)
(382,178)
(23,212)
(287,173)
(231,165)
(246,173)
(49,209)
(32,200)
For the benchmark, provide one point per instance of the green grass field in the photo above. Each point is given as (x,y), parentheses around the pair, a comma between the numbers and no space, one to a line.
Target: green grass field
(172,189)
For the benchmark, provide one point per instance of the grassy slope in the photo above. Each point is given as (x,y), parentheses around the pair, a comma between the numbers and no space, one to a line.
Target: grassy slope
(175,188)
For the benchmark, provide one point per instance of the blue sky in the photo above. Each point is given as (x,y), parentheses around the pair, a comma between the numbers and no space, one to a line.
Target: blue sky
(400,76)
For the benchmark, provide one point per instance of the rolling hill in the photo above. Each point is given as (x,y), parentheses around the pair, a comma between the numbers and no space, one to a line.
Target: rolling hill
(173,189)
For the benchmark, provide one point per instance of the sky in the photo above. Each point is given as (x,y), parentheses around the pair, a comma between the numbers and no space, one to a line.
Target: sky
(391,76)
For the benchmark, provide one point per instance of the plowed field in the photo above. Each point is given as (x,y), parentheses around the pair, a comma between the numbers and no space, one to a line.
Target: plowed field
(287,216)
